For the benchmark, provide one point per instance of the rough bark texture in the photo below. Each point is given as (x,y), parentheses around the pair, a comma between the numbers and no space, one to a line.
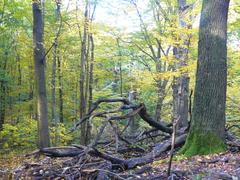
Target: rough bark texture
(181,84)
(207,131)
(39,62)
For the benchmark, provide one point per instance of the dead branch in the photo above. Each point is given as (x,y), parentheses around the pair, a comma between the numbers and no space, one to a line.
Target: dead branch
(116,162)
(156,152)
(61,151)
(136,109)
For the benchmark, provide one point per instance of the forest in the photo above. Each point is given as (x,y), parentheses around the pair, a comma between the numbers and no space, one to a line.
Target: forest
(120,89)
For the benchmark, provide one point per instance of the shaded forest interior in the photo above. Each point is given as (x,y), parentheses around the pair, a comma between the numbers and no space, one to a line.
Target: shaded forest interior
(100,89)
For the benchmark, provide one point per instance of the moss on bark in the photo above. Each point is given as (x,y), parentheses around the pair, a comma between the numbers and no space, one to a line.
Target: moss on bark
(202,143)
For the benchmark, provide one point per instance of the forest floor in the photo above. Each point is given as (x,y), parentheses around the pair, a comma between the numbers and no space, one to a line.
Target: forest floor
(218,166)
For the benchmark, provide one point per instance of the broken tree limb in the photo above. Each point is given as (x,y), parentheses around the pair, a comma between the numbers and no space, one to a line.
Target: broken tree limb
(156,152)
(147,118)
(94,152)
(61,151)
(136,109)
(116,162)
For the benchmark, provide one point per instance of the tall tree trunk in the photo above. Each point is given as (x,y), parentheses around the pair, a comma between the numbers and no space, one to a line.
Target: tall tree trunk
(39,63)
(87,68)
(207,131)
(3,93)
(53,80)
(82,76)
(90,87)
(161,91)
(115,80)
(30,97)
(181,83)
(19,82)
(132,121)
(120,67)
(159,105)
(60,90)
(90,98)
(121,77)
(53,83)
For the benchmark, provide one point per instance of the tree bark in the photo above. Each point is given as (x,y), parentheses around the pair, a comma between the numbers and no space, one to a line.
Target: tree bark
(82,76)
(207,131)
(60,90)
(90,98)
(90,88)
(53,82)
(3,93)
(19,81)
(181,83)
(39,63)
(115,80)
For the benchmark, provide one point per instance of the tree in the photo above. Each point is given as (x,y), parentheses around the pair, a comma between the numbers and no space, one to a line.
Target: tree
(181,83)
(56,58)
(207,131)
(155,50)
(83,138)
(3,91)
(39,63)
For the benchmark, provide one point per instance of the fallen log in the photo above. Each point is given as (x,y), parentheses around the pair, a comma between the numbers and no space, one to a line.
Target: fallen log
(156,152)
(67,151)
(116,162)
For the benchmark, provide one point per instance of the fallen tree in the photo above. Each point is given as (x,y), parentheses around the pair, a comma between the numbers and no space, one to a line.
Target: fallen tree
(102,160)
(77,150)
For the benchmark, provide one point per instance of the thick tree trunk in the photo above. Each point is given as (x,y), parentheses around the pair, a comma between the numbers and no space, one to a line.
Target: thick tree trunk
(181,84)
(180,100)
(207,131)
(39,62)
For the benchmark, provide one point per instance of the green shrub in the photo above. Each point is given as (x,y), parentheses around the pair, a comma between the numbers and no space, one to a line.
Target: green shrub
(24,135)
